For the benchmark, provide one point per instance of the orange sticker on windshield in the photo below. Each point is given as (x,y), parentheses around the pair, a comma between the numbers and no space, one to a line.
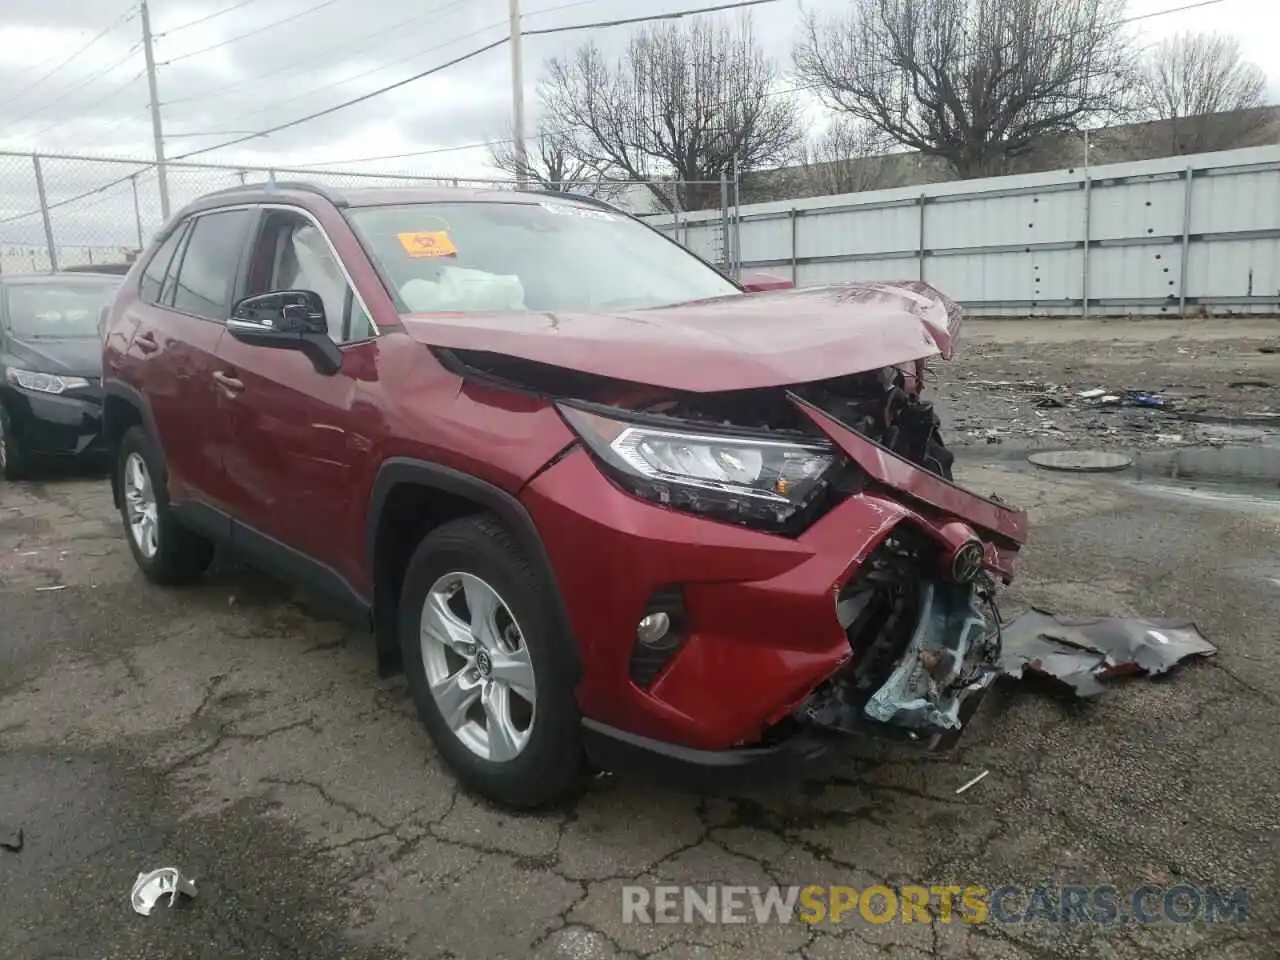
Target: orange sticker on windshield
(432,243)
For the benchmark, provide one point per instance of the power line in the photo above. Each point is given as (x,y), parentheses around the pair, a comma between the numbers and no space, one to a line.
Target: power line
(346,49)
(378,69)
(143,167)
(250,33)
(675,15)
(84,82)
(457,60)
(563,6)
(804,88)
(109,95)
(346,103)
(206,18)
(120,21)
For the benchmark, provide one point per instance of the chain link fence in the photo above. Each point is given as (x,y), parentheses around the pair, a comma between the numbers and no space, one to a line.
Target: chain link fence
(60,210)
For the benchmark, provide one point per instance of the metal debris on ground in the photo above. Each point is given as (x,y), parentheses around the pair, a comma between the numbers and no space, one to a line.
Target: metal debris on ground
(1085,651)
(965,786)
(150,887)
(11,838)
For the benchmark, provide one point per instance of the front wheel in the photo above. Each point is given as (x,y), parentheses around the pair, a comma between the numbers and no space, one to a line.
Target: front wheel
(488,670)
(165,550)
(12,465)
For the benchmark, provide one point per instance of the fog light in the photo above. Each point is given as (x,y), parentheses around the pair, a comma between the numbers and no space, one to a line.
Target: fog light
(654,629)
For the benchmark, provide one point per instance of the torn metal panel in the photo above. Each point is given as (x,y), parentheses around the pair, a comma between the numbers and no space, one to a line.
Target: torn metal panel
(150,887)
(1082,652)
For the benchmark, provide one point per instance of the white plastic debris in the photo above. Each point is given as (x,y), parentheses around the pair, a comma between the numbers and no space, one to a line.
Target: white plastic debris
(961,789)
(150,887)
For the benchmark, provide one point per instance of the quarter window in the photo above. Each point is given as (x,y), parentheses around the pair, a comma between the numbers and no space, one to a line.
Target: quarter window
(153,276)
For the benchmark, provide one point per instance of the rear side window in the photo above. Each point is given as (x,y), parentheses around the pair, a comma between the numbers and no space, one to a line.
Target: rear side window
(211,263)
(153,276)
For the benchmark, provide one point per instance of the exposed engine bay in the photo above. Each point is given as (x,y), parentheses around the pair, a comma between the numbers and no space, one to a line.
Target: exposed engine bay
(875,403)
(924,648)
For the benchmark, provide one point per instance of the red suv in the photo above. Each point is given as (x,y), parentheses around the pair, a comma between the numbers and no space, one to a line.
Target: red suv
(595,499)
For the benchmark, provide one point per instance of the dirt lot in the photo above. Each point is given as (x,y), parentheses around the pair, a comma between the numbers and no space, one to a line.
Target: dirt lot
(237,733)
(1018,382)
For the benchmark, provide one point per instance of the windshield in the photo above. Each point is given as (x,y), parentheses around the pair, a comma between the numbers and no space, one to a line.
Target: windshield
(537,256)
(57,310)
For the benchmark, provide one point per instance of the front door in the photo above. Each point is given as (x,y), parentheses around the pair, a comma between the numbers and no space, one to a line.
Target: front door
(294,434)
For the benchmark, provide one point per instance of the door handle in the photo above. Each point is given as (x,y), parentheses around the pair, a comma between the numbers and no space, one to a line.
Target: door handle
(146,342)
(230,385)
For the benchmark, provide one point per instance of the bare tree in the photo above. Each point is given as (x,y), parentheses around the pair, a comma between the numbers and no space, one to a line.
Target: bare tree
(553,161)
(974,82)
(1205,94)
(849,156)
(683,104)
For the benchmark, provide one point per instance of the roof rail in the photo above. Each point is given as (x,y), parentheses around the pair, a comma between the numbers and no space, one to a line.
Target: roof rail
(590,201)
(269,185)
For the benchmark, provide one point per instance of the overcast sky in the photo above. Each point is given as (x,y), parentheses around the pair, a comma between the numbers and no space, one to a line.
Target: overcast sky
(97,103)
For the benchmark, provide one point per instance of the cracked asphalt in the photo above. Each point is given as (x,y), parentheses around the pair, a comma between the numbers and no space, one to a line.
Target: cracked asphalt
(233,730)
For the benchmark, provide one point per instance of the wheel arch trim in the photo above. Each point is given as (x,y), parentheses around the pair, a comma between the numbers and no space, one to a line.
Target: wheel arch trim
(398,471)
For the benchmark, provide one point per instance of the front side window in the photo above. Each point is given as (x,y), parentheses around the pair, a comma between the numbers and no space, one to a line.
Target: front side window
(528,255)
(292,254)
(211,263)
(57,311)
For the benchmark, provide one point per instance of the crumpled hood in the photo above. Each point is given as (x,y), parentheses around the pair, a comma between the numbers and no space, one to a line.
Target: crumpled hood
(730,343)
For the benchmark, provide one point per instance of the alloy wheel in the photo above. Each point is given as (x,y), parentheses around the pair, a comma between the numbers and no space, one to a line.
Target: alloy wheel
(478,666)
(140,503)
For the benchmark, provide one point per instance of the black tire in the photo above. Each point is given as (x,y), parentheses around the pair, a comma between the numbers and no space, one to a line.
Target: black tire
(182,555)
(13,464)
(549,764)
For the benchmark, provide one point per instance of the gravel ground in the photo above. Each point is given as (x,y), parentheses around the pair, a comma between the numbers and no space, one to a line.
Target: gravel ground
(1016,382)
(232,730)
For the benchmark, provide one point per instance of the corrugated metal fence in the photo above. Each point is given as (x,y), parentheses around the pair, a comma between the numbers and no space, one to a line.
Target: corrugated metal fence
(1176,236)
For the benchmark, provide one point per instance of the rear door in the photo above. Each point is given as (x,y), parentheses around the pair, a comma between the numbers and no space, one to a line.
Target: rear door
(182,311)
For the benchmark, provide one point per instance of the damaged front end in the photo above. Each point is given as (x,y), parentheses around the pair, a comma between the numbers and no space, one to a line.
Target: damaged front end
(925,647)
(918,608)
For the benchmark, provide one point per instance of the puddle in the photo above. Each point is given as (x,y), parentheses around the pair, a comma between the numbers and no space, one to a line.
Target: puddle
(1252,464)
(1245,498)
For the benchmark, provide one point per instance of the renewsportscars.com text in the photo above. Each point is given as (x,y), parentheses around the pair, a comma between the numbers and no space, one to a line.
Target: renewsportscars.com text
(971,904)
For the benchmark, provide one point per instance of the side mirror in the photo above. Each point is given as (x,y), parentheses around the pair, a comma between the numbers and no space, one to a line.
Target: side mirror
(290,320)
(764,282)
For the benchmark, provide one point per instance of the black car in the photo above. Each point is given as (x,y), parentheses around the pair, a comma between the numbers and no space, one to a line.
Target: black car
(115,269)
(51,367)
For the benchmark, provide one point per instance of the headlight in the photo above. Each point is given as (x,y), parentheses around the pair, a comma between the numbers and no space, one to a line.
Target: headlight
(43,382)
(759,481)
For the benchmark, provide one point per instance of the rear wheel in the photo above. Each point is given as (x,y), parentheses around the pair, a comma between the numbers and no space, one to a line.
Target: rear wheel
(12,465)
(489,672)
(165,550)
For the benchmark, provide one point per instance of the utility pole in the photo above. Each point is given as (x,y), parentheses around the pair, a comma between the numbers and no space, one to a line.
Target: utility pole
(517,97)
(157,131)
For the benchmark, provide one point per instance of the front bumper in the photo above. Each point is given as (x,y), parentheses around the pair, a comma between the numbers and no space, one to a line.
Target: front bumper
(762,632)
(68,424)
(708,771)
